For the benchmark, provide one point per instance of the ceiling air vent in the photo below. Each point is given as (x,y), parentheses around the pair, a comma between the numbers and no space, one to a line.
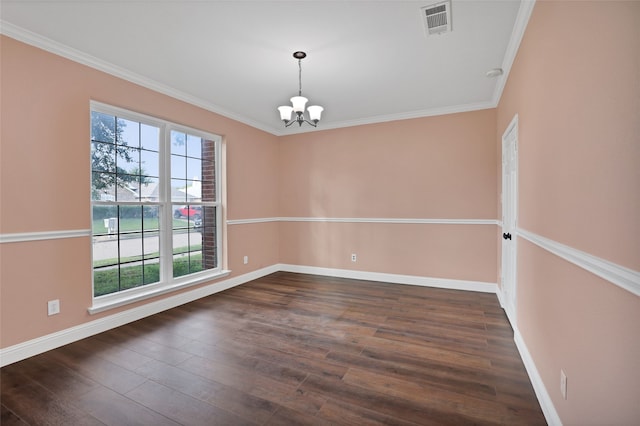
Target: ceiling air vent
(437,18)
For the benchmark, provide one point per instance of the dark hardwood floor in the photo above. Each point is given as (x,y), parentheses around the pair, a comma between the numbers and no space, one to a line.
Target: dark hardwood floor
(288,349)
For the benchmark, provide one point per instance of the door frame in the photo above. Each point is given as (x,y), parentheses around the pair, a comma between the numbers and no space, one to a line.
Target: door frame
(509,302)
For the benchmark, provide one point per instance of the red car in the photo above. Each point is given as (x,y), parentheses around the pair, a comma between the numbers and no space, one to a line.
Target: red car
(190,212)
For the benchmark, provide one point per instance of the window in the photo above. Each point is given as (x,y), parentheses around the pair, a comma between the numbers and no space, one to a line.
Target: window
(155,205)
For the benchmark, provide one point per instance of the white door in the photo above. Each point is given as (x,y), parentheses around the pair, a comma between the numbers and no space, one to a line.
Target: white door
(509,217)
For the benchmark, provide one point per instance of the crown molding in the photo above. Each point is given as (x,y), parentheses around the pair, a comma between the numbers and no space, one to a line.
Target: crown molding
(433,112)
(44,43)
(519,27)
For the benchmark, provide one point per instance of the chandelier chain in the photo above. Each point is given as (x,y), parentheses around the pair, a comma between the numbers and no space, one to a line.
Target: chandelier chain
(299,77)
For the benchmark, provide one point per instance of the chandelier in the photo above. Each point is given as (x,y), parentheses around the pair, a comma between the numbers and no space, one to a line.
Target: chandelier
(299,103)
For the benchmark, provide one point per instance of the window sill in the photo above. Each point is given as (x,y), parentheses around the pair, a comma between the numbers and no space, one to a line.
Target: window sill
(146,293)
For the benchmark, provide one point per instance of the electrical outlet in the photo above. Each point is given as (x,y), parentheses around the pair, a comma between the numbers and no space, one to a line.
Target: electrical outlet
(53,307)
(245,260)
(563,384)
(354,257)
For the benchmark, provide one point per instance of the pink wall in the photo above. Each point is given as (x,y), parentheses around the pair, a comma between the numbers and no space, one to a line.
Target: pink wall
(574,84)
(44,171)
(431,168)
(576,87)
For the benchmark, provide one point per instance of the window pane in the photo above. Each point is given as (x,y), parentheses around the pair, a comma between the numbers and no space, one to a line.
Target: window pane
(130,219)
(103,127)
(194,146)
(179,190)
(103,187)
(208,150)
(131,276)
(128,161)
(178,167)
(150,189)
(129,133)
(149,163)
(151,271)
(178,143)
(105,250)
(149,137)
(103,157)
(208,192)
(193,190)
(129,192)
(101,216)
(150,218)
(207,230)
(194,169)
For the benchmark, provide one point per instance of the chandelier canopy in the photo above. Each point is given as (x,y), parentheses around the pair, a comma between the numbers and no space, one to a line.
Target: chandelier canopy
(299,103)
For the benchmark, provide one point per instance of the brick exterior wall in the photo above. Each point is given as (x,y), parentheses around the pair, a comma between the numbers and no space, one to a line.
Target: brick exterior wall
(209,231)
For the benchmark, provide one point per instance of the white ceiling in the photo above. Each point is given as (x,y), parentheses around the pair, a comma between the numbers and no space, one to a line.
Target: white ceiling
(368,61)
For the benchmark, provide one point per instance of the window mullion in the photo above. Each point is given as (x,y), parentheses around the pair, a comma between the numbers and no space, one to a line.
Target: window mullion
(166,234)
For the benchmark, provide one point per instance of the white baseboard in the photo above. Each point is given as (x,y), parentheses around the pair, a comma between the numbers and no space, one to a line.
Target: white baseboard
(480,286)
(546,404)
(42,344)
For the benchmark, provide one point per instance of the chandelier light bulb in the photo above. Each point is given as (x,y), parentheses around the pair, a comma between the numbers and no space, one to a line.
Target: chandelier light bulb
(298,103)
(314,112)
(285,112)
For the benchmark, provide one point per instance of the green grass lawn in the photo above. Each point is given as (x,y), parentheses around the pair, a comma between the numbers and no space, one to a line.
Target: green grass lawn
(108,281)
(133,224)
(148,256)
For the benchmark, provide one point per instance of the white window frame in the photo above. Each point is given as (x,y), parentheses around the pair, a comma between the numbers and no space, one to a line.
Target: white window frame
(167,282)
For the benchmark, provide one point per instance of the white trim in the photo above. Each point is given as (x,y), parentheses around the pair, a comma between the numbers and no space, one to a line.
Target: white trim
(432,112)
(519,27)
(365,220)
(625,278)
(45,235)
(42,344)
(115,300)
(249,221)
(484,287)
(546,404)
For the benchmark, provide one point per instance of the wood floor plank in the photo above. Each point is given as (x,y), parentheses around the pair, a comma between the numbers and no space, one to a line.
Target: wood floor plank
(240,403)
(21,394)
(182,408)
(471,409)
(114,409)
(287,417)
(464,380)
(288,349)
(91,366)
(342,413)
(381,402)
(9,418)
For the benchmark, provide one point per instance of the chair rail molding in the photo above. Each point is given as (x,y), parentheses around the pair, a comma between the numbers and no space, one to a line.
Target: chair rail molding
(411,221)
(625,278)
(43,235)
